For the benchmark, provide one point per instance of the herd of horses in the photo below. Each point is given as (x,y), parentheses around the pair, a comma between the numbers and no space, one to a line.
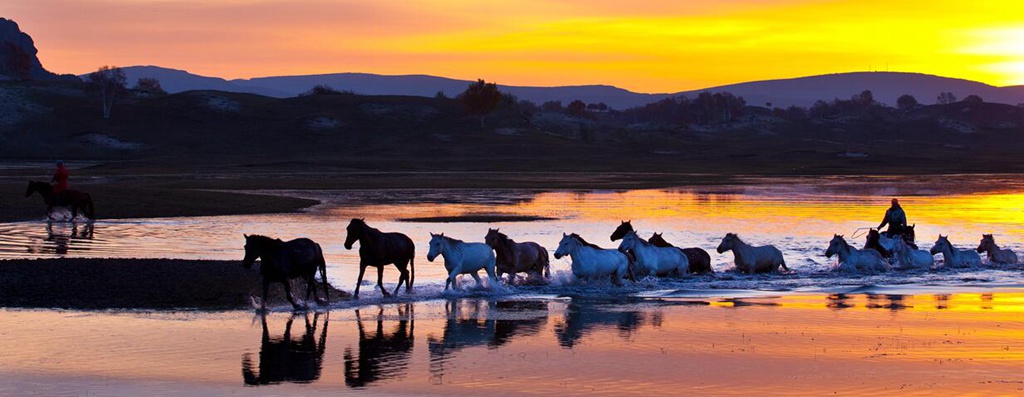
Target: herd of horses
(635,257)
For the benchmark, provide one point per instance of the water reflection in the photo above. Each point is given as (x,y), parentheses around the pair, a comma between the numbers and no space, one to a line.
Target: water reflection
(284,359)
(839,301)
(381,355)
(60,238)
(479,322)
(583,316)
(888,301)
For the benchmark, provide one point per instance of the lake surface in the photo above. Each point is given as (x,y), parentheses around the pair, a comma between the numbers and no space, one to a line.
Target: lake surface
(809,331)
(871,342)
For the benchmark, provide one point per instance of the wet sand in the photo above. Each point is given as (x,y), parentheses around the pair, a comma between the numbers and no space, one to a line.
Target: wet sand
(135,284)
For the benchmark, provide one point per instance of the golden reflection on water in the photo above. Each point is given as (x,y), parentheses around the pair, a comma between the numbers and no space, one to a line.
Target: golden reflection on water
(848,344)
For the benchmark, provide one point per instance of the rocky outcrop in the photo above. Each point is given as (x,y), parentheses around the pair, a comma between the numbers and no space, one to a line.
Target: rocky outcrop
(18,58)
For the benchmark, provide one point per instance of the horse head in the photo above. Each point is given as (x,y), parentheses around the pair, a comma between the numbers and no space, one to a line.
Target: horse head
(436,246)
(251,251)
(987,241)
(565,246)
(629,241)
(940,244)
(728,242)
(493,238)
(354,232)
(35,186)
(621,231)
(835,246)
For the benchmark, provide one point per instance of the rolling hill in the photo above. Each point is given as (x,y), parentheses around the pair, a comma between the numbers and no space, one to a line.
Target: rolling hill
(803,91)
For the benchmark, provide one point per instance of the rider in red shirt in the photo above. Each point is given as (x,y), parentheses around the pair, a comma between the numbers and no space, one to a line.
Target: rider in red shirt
(60,178)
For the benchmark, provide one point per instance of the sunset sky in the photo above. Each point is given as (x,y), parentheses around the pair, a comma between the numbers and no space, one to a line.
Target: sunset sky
(646,46)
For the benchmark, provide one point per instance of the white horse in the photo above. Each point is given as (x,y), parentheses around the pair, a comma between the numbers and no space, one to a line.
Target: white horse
(955,257)
(909,258)
(462,258)
(659,261)
(590,261)
(852,259)
(751,259)
(996,254)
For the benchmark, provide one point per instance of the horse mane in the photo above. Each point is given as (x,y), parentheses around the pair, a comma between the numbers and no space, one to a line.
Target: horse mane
(643,242)
(735,236)
(584,242)
(264,239)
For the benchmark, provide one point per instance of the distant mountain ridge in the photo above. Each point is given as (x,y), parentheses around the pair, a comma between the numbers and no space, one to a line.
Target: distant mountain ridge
(802,91)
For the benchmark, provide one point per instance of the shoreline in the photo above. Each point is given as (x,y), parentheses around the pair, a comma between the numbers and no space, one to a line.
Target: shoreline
(156,284)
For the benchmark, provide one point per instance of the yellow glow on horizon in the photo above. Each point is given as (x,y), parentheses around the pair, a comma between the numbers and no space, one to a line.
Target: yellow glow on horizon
(656,46)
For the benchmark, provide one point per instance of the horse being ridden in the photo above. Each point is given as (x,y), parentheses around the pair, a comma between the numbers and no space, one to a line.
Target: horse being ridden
(657,261)
(955,257)
(283,261)
(590,261)
(752,259)
(513,257)
(72,199)
(700,261)
(996,254)
(379,249)
(462,258)
(855,259)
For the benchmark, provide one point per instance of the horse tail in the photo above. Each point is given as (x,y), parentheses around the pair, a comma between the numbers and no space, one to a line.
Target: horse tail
(412,272)
(323,273)
(89,210)
(546,262)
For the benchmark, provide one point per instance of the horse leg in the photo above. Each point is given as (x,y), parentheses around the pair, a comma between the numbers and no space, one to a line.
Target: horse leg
(476,276)
(380,281)
(288,294)
(362,269)
(266,286)
(402,278)
(494,280)
(49,212)
(452,281)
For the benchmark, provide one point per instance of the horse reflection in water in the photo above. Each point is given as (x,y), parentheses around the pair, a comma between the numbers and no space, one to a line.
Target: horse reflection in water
(284,359)
(62,242)
(478,322)
(583,317)
(382,355)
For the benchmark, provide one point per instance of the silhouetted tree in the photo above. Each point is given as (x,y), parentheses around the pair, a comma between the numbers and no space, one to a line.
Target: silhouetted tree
(865,99)
(481,98)
(946,98)
(602,107)
(323,89)
(906,102)
(110,81)
(440,95)
(14,61)
(576,109)
(592,107)
(150,86)
(973,99)
(795,113)
(552,106)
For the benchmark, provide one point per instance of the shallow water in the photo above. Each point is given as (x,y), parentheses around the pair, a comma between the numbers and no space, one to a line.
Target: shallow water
(808,332)
(799,215)
(888,340)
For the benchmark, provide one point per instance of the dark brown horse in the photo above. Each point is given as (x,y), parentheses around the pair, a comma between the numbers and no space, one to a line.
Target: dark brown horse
(284,359)
(283,261)
(72,199)
(700,261)
(379,249)
(513,257)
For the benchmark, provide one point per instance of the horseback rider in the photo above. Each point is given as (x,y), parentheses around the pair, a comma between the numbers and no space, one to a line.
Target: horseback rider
(896,219)
(60,180)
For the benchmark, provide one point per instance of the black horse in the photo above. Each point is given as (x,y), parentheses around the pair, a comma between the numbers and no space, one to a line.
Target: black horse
(283,261)
(700,261)
(379,249)
(72,199)
(383,355)
(286,360)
